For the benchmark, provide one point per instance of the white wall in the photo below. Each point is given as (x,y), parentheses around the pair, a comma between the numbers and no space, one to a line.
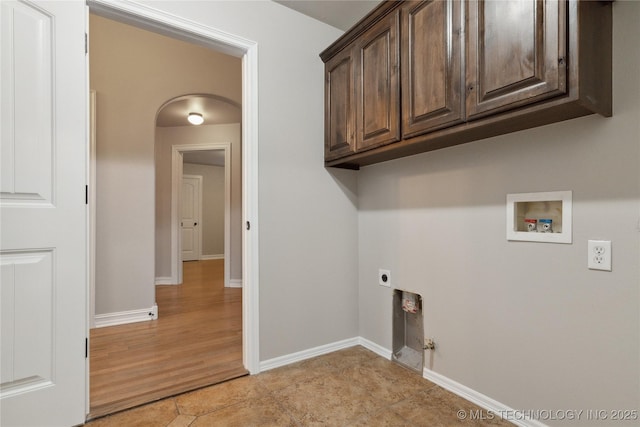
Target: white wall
(307,222)
(134,73)
(166,137)
(212,220)
(524,323)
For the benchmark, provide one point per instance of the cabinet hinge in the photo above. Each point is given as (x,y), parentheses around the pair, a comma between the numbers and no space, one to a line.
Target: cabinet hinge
(248,225)
(86,194)
(86,348)
(86,43)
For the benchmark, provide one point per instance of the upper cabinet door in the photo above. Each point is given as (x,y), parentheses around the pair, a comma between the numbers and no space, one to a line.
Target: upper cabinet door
(432,77)
(378,85)
(516,53)
(339,112)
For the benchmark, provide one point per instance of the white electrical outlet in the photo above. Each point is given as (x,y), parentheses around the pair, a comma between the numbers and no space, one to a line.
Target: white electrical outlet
(384,278)
(599,255)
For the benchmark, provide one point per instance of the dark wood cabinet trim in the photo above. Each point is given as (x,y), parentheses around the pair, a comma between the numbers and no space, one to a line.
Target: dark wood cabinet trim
(385,7)
(524,118)
(592,61)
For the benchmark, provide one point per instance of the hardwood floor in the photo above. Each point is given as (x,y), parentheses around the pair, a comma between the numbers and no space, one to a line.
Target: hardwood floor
(196,341)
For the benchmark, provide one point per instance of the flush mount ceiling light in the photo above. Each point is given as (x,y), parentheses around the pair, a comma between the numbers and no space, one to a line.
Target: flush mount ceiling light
(195,118)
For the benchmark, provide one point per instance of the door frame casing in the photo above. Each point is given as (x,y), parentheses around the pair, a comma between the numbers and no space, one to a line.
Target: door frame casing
(177,173)
(91,208)
(148,18)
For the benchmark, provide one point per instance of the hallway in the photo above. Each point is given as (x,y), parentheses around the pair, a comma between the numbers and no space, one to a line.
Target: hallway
(196,341)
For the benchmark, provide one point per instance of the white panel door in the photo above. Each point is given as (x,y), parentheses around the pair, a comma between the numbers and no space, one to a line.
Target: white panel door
(43,302)
(190,224)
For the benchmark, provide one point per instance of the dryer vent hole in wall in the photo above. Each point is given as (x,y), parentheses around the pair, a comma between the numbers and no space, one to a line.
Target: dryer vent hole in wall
(408,330)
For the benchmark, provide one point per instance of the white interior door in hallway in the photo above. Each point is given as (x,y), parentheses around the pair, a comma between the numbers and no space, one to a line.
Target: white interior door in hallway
(43,247)
(191,217)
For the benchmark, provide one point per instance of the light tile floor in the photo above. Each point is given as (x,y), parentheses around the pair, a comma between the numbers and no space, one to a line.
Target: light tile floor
(351,387)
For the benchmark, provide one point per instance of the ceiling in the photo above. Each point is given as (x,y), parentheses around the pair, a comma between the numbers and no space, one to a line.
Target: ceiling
(215,111)
(342,14)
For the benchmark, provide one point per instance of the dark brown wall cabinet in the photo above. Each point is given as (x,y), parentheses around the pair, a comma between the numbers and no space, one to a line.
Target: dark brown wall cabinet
(415,76)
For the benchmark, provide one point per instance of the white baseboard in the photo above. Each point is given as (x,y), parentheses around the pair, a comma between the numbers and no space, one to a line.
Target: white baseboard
(277,362)
(164,280)
(378,349)
(124,317)
(235,283)
(208,257)
(518,418)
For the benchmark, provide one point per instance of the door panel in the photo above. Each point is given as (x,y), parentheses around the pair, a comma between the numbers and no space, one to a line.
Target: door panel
(27,109)
(516,53)
(27,315)
(43,108)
